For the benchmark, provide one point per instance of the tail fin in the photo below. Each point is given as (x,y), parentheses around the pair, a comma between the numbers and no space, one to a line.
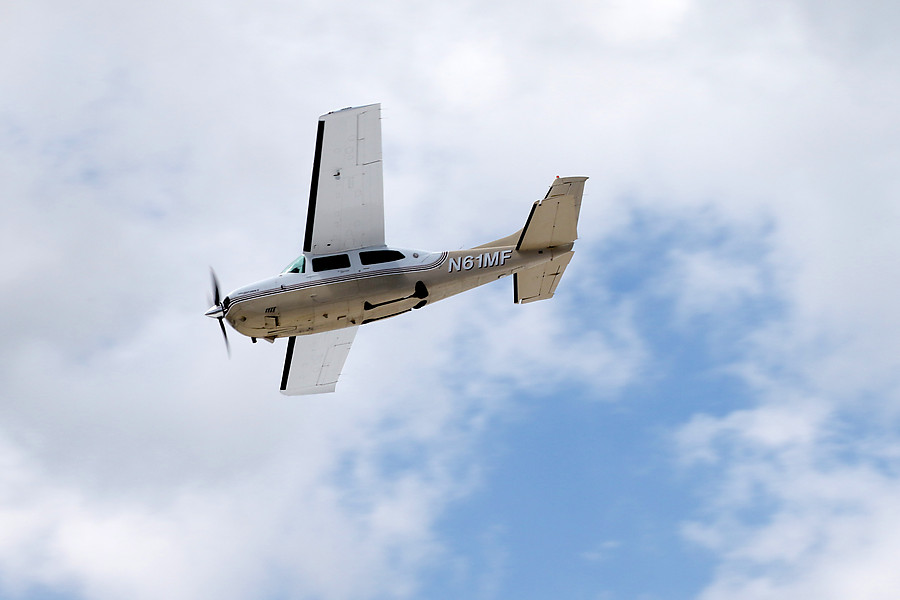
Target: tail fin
(553,220)
(552,223)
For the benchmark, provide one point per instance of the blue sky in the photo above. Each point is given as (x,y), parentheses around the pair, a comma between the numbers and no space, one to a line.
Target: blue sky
(707,409)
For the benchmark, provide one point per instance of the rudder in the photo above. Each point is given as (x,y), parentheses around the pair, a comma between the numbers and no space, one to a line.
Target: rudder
(553,221)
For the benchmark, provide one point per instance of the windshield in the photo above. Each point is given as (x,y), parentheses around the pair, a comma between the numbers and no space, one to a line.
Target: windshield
(296,266)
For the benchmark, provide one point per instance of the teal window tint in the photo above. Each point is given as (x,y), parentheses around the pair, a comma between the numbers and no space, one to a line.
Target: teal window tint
(297,266)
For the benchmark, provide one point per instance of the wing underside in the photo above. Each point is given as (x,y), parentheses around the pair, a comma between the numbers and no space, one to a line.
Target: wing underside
(346,198)
(313,363)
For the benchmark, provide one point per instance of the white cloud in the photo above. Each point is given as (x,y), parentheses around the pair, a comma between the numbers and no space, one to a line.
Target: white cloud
(824,527)
(623,22)
(704,282)
(771,428)
(472,75)
(227,540)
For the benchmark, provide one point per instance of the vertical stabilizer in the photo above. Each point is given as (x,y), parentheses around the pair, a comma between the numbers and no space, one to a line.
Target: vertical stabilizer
(553,220)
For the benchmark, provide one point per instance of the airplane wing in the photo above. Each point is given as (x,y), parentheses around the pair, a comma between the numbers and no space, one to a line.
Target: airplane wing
(346,196)
(313,362)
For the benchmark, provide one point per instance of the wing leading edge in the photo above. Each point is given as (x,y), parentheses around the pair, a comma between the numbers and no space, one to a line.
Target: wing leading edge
(313,363)
(346,197)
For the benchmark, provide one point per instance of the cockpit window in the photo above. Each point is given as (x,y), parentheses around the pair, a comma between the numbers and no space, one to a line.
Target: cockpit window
(297,266)
(327,263)
(376,257)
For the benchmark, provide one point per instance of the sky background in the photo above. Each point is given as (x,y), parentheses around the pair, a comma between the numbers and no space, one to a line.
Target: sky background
(708,409)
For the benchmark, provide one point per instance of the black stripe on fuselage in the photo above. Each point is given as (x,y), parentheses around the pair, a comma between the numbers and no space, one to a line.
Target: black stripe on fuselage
(314,189)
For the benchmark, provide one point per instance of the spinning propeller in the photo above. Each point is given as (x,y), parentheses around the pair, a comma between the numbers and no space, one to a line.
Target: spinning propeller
(217,311)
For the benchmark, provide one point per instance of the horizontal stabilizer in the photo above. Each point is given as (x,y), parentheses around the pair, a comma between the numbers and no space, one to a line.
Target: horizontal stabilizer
(553,220)
(539,283)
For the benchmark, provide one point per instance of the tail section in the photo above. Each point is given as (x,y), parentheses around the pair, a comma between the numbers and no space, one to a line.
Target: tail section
(553,220)
(552,223)
(550,230)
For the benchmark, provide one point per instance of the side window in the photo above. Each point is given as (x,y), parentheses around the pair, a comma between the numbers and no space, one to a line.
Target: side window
(376,257)
(297,266)
(328,263)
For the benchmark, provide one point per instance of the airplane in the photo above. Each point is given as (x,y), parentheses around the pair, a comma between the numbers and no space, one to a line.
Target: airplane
(347,276)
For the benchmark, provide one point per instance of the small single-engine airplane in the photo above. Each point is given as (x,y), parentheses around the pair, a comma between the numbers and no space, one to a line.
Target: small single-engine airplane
(347,276)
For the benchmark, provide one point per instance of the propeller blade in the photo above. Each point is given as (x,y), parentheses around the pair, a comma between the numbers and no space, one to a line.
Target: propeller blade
(225,335)
(215,283)
(219,309)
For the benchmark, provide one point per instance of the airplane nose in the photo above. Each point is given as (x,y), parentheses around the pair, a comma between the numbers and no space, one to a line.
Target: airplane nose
(215,312)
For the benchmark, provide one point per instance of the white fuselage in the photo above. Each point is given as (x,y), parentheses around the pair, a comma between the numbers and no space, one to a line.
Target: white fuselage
(342,292)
